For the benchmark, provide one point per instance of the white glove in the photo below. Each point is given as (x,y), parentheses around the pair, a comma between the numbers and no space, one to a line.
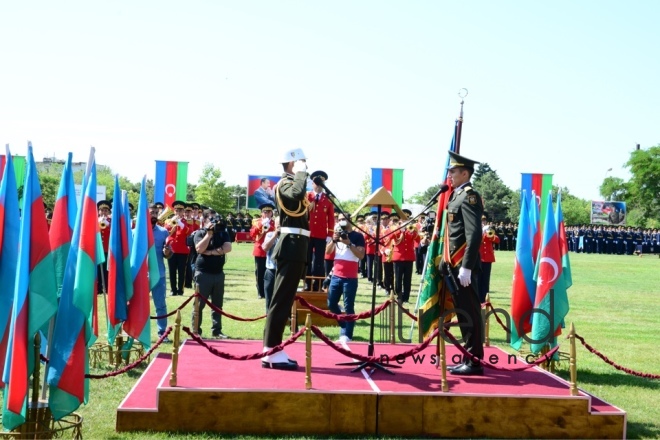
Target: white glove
(299,165)
(328,240)
(265,223)
(179,223)
(464,276)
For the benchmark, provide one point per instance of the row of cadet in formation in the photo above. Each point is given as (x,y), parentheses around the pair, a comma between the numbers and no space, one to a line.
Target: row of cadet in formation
(618,240)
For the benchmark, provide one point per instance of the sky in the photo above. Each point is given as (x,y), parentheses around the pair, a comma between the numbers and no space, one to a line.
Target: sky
(563,87)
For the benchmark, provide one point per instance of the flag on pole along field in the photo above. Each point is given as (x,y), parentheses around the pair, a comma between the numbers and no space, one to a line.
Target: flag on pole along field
(541,184)
(551,296)
(524,287)
(534,226)
(137,324)
(64,220)
(430,308)
(563,244)
(120,285)
(171,182)
(74,325)
(35,298)
(390,179)
(19,168)
(9,230)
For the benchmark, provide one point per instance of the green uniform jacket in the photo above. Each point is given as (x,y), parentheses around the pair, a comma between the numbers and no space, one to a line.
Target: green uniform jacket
(292,192)
(464,212)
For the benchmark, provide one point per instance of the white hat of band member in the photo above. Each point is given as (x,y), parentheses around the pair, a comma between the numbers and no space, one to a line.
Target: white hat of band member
(293,155)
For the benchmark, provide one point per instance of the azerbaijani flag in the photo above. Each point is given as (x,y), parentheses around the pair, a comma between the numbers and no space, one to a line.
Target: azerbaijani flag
(19,167)
(35,299)
(64,220)
(171,182)
(390,179)
(10,225)
(541,185)
(551,296)
(563,244)
(534,226)
(74,326)
(137,325)
(120,285)
(523,290)
(429,299)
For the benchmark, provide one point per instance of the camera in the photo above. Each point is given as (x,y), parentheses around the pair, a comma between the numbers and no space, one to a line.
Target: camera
(343,235)
(218,224)
(429,225)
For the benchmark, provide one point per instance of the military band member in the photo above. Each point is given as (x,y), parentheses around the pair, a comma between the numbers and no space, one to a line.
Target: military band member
(403,257)
(261,227)
(179,230)
(105,218)
(321,226)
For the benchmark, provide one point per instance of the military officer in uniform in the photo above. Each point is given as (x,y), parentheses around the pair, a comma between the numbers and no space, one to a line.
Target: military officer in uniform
(290,254)
(321,227)
(463,239)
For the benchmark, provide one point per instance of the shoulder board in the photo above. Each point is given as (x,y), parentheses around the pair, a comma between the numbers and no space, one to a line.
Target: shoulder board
(467,188)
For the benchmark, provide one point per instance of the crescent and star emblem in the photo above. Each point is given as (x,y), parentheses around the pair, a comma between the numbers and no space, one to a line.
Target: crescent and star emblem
(552,263)
(167,187)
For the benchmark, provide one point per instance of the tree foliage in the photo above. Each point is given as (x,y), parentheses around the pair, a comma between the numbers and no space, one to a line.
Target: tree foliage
(613,188)
(644,186)
(497,197)
(212,191)
(482,170)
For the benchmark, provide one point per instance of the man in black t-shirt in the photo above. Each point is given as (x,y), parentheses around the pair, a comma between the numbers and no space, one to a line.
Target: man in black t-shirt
(212,243)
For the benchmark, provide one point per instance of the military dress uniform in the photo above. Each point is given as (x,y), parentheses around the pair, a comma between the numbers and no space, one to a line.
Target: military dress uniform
(290,253)
(321,227)
(104,226)
(463,240)
(260,227)
(403,259)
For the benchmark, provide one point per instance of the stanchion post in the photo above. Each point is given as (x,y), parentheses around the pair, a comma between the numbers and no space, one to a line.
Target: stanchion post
(572,364)
(308,352)
(486,316)
(294,315)
(393,307)
(120,344)
(196,329)
(35,375)
(443,359)
(175,348)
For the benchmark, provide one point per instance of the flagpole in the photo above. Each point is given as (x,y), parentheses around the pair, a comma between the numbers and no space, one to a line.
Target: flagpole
(458,130)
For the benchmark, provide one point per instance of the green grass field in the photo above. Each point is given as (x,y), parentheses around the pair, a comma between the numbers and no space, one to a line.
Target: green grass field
(614,304)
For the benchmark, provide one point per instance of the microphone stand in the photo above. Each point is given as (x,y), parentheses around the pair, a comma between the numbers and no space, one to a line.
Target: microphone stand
(370,351)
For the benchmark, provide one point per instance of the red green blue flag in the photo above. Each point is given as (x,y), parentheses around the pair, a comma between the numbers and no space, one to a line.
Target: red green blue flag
(120,284)
(35,299)
(63,222)
(524,287)
(541,185)
(19,168)
(137,325)
(563,244)
(171,182)
(551,301)
(390,179)
(74,326)
(10,225)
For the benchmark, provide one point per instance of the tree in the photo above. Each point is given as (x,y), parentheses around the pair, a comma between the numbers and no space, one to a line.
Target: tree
(576,211)
(644,186)
(613,188)
(213,192)
(482,170)
(497,197)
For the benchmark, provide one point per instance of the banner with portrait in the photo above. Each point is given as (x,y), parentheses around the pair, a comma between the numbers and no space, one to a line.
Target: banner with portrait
(260,190)
(608,213)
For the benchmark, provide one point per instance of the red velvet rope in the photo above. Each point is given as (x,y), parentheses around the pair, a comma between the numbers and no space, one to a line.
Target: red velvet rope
(376,359)
(497,317)
(228,315)
(134,364)
(545,358)
(405,311)
(614,364)
(183,304)
(345,318)
(246,357)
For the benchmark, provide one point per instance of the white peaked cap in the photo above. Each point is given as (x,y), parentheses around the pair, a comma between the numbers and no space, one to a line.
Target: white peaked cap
(293,155)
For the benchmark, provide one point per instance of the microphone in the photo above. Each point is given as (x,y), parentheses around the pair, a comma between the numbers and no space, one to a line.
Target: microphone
(443,188)
(318,180)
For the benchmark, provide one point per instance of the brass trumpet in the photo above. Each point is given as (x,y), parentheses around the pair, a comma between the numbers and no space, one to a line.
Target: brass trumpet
(103,223)
(411,227)
(490,233)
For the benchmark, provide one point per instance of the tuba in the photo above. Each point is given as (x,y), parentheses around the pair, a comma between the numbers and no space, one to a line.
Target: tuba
(165,215)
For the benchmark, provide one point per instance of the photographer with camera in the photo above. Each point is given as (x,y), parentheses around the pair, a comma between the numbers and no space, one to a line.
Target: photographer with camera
(212,243)
(348,246)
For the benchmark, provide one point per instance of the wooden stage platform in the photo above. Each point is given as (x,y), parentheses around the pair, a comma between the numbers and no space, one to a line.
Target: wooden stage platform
(240,397)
